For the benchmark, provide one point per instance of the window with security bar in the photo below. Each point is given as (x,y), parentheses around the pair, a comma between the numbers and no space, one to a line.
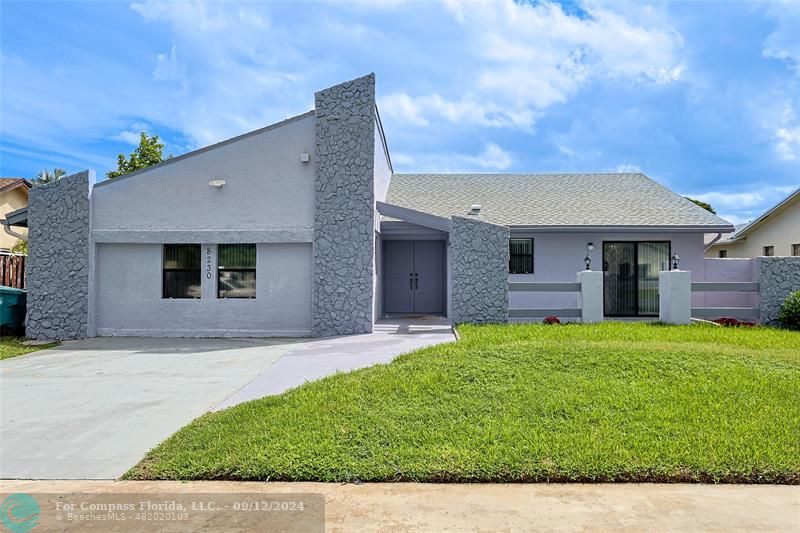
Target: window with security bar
(520,257)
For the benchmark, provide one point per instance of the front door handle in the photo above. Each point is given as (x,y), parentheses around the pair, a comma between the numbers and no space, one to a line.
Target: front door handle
(411,282)
(416,281)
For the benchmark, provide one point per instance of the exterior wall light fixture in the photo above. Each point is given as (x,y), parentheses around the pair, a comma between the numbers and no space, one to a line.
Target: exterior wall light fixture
(588,260)
(675,260)
(217,183)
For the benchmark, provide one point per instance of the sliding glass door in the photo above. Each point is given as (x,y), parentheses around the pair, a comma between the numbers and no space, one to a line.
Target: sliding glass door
(630,276)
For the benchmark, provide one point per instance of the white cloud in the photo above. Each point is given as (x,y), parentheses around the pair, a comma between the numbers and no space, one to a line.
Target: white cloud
(129,136)
(133,134)
(784,42)
(491,159)
(786,131)
(727,200)
(226,69)
(523,58)
(788,142)
(736,220)
(167,67)
(628,167)
(466,110)
(743,206)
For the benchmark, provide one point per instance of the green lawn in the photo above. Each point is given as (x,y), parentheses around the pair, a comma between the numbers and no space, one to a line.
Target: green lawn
(607,402)
(12,347)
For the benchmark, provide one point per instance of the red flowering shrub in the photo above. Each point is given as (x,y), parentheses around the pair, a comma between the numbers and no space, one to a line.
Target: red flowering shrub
(728,322)
(551,320)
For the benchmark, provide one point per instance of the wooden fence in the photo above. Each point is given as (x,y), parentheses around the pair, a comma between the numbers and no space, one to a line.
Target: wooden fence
(12,270)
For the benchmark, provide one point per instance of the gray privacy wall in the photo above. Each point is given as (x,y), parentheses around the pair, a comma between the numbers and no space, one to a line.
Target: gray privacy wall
(58,259)
(344,214)
(479,271)
(777,278)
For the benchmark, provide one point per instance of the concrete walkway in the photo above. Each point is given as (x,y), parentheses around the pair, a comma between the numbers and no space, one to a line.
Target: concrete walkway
(499,507)
(91,409)
(317,358)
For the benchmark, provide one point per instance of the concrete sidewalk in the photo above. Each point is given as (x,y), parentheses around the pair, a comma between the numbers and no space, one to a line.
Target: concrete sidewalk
(503,507)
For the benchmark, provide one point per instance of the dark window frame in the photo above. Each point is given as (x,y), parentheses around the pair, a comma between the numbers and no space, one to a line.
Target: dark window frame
(723,254)
(769,251)
(796,249)
(252,269)
(511,256)
(165,270)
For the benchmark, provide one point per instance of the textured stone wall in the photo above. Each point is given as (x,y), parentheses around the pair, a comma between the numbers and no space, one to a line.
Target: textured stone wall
(479,271)
(58,260)
(345,208)
(777,278)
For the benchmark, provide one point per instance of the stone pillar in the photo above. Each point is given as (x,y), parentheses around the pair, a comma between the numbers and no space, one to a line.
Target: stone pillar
(675,296)
(479,271)
(58,258)
(590,299)
(344,215)
(777,278)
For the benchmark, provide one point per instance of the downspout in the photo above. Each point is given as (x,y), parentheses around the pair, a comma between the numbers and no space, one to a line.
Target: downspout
(7,227)
(713,242)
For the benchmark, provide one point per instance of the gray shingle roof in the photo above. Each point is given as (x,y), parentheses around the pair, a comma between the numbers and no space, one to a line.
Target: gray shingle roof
(623,199)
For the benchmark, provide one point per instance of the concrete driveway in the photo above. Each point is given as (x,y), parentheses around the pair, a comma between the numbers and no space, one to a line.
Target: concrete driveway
(91,409)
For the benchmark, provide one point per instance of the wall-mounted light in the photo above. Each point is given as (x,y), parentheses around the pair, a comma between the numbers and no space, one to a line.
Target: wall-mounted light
(217,183)
(304,157)
(675,260)
(588,260)
(475,209)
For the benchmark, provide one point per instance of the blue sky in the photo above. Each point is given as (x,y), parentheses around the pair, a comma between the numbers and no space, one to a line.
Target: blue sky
(701,96)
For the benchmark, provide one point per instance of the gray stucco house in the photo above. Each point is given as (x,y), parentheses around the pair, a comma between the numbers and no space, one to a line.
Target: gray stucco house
(302,228)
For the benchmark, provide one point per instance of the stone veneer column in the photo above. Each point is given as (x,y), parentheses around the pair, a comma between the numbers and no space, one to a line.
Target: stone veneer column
(345,208)
(777,278)
(58,259)
(479,271)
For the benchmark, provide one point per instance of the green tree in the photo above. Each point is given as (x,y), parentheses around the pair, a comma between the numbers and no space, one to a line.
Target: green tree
(704,205)
(149,152)
(45,176)
(21,247)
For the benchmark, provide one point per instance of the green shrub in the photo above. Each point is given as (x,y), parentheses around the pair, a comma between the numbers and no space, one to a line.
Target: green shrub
(790,311)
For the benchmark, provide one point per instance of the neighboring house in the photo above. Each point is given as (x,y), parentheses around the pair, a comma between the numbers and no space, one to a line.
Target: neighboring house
(13,196)
(301,228)
(776,232)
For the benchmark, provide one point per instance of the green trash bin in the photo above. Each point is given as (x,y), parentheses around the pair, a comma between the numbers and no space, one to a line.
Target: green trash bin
(13,303)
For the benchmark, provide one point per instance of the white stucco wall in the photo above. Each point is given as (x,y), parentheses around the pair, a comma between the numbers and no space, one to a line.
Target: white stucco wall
(558,256)
(268,199)
(129,294)
(267,188)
